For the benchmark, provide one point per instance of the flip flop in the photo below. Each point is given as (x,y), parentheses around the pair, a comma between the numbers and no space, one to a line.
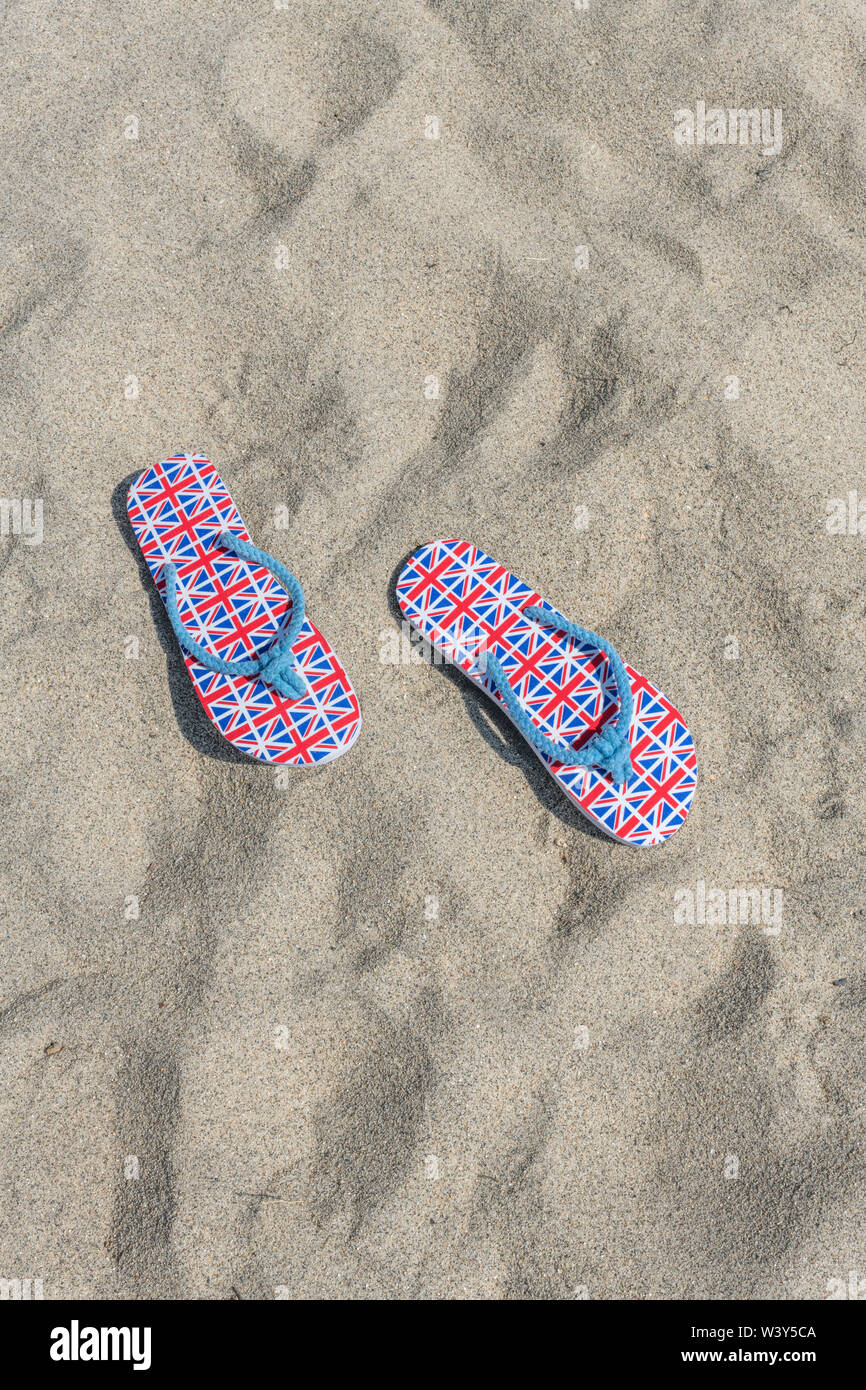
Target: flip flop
(613,743)
(266,677)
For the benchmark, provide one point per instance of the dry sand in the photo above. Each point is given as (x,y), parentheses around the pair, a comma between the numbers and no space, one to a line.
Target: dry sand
(338,1043)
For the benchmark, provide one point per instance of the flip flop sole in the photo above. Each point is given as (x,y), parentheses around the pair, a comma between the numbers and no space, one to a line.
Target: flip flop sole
(236,609)
(462,601)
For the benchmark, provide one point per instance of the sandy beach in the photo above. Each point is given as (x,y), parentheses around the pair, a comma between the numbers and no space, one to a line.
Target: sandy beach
(407,1026)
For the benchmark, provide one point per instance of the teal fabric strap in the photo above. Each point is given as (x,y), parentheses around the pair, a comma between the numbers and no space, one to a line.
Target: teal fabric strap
(609,749)
(277,665)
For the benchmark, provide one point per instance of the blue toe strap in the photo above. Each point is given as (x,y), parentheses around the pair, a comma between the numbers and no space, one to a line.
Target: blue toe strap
(277,665)
(609,749)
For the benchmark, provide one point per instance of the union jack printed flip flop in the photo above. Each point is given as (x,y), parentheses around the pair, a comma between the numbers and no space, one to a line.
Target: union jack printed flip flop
(267,678)
(613,743)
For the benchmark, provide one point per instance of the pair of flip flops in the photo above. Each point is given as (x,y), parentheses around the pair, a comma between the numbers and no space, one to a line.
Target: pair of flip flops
(274,687)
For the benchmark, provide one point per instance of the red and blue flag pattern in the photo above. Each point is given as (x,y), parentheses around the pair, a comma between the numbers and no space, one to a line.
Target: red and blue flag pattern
(467,606)
(236,610)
